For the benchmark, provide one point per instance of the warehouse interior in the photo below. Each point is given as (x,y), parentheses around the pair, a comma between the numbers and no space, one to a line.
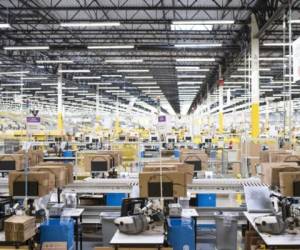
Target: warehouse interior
(150,124)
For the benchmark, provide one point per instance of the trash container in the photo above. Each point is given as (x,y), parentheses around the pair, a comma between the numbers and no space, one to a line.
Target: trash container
(108,226)
(226,231)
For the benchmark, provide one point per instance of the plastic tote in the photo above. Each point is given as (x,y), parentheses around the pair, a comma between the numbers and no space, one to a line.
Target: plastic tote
(226,230)
(181,233)
(108,226)
(58,230)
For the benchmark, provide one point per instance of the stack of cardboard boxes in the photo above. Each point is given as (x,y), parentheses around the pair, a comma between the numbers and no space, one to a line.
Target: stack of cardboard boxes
(11,162)
(194,156)
(19,228)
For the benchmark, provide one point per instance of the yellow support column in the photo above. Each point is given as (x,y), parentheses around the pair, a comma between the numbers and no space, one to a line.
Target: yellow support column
(60,121)
(254,79)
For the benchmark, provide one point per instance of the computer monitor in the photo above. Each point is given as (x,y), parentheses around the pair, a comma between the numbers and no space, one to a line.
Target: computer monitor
(171,140)
(87,139)
(188,138)
(122,138)
(154,138)
(296,188)
(7,165)
(99,166)
(95,141)
(19,188)
(155,191)
(196,164)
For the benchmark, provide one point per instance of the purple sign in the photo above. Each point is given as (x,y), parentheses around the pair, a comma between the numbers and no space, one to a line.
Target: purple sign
(33,119)
(162,118)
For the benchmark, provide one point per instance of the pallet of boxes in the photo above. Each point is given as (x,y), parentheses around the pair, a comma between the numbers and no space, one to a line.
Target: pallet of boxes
(175,179)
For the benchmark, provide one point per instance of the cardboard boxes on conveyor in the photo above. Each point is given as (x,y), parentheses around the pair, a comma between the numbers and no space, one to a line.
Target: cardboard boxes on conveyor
(196,157)
(67,166)
(10,162)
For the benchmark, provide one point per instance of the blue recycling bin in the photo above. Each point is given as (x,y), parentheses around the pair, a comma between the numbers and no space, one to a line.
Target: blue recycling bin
(115,199)
(58,230)
(181,233)
(67,153)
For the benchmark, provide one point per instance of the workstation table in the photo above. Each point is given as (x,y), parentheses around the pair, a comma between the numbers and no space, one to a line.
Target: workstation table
(283,241)
(148,239)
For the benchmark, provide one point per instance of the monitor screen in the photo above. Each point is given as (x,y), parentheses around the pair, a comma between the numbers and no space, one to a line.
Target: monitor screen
(7,165)
(99,166)
(188,138)
(171,140)
(122,138)
(87,139)
(197,165)
(154,189)
(19,188)
(296,186)
(154,138)
(95,140)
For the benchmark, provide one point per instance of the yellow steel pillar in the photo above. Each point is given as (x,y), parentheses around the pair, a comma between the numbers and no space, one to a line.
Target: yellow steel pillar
(60,122)
(221,93)
(254,79)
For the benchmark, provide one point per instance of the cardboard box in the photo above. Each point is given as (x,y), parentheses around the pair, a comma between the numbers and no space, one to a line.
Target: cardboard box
(274,155)
(270,171)
(44,180)
(54,246)
(88,159)
(12,162)
(292,158)
(187,169)
(149,183)
(286,180)
(68,168)
(195,155)
(250,148)
(59,173)
(19,228)
(117,156)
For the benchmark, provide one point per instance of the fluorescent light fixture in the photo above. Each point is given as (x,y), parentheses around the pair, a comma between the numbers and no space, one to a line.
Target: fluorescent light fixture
(14,72)
(124,61)
(26,47)
(45,91)
(99,83)
(260,69)
(189,83)
(5,26)
(112,47)
(198,45)
(111,75)
(12,84)
(139,77)
(295,21)
(272,59)
(275,44)
(74,71)
(191,69)
(191,76)
(90,24)
(148,87)
(87,77)
(35,78)
(202,22)
(10,92)
(195,59)
(144,83)
(24,89)
(191,27)
(133,70)
(54,61)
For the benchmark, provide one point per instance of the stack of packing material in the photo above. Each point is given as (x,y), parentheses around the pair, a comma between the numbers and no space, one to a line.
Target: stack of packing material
(67,166)
(187,169)
(39,183)
(19,228)
(59,173)
(189,156)
(288,181)
(10,162)
(270,171)
(54,246)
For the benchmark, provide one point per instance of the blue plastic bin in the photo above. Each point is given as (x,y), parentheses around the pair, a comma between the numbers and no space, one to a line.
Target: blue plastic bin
(115,199)
(142,154)
(179,227)
(58,230)
(176,153)
(67,153)
(206,200)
